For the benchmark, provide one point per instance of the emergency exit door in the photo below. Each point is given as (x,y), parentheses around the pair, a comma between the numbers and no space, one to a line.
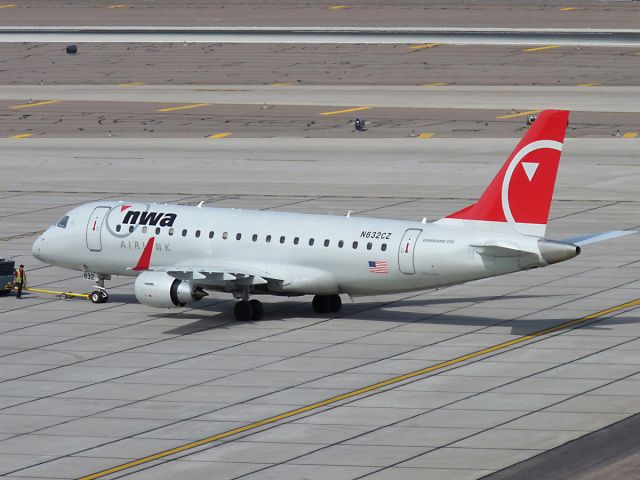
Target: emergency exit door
(94,228)
(406,250)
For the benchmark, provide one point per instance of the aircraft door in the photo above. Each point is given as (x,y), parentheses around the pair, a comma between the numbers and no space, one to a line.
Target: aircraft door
(94,228)
(406,250)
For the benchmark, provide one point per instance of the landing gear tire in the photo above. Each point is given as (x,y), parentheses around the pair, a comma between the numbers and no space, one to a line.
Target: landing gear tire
(326,303)
(96,296)
(243,311)
(105,296)
(257,309)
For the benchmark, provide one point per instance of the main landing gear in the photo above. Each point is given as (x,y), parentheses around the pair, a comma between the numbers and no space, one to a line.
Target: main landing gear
(99,295)
(326,303)
(246,310)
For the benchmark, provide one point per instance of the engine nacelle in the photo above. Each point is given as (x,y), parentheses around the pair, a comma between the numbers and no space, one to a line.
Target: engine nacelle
(159,289)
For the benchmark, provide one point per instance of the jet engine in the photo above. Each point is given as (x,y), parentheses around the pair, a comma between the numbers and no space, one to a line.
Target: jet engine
(159,289)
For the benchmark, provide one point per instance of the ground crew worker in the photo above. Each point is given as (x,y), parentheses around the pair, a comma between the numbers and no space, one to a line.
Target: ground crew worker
(20,280)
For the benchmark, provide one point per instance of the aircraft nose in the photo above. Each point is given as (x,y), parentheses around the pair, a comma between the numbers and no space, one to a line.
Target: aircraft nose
(36,249)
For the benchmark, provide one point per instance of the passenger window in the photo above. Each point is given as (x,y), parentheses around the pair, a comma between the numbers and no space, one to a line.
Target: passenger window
(118,227)
(171,231)
(355,245)
(184,232)
(62,223)
(157,230)
(383,247)
(341,244)
(254,238)
(211,234)
(197,233)
(268,238)
(131,228)
(144,229)
(326,242)
(225,235)
(296,240)
(238,236)
(281,239)
(311,240)
(369,246)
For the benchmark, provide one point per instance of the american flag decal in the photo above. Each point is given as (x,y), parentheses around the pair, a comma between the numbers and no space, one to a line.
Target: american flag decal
(376,266)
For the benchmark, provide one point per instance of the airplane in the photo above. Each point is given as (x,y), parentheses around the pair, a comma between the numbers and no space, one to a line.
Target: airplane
(179,253)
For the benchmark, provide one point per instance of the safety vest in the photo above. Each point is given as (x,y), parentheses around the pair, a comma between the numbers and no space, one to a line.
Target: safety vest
(20,276)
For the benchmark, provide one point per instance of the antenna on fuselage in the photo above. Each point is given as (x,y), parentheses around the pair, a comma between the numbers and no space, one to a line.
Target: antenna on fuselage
(424,220)
(349,214)
(200,204)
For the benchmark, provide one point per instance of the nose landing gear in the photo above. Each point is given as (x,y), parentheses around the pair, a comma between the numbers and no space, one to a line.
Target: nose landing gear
(326,303)
(100,295)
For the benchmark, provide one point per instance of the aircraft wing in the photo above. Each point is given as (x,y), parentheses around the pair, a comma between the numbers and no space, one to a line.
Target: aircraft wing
(596,237)
(221,273)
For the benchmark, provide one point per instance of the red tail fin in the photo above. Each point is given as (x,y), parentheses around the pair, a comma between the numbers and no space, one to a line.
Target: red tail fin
(521,192)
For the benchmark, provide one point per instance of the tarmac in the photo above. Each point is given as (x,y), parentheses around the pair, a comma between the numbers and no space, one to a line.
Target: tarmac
(535,374)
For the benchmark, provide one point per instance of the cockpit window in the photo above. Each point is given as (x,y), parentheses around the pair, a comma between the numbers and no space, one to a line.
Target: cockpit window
(62,223)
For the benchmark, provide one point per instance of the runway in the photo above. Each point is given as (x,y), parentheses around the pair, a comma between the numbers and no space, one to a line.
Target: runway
(513,377)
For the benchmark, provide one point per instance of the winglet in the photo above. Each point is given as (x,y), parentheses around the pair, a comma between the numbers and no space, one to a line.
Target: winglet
(145,259)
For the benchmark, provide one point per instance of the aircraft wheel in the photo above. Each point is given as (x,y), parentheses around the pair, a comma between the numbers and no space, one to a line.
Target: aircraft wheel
(335,302)
(96,296)
(243,311)
(321,303)
(105,296)
(258,309)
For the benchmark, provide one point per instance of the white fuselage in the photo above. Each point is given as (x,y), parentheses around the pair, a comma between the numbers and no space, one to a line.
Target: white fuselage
(355,255)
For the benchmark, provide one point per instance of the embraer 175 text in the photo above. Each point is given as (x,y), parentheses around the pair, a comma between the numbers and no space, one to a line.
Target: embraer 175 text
(180,252)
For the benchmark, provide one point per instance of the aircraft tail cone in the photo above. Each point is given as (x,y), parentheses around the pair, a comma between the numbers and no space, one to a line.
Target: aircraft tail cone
(555,252)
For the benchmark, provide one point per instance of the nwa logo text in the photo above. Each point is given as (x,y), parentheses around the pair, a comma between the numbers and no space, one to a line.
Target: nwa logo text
(133,217)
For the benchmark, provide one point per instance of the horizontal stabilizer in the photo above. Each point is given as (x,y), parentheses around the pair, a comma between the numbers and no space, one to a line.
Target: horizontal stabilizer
(597,237)
(496,250)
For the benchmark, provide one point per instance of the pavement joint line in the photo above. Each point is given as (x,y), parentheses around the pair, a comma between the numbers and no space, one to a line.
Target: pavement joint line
(538,49)
(521,114)
(22,135)
(630,135)
(346,110)
(183,107)
(34,104)
(360,391)
(220,135)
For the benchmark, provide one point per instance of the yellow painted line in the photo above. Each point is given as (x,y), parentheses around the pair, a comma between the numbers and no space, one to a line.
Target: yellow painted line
(588,85)
(521,114)
(7,5)
(130,84)
(347,110)
(338,7)
(283,84)
(121,5)
(184,107)
(35,104)
(425,45)
(537,49)
(219,135)
(360,391)
(439,84)
(426,135)
(630,135)
(568,9)
(22,135)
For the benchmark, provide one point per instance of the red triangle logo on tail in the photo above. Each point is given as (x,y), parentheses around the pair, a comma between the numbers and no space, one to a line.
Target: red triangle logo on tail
(145,259)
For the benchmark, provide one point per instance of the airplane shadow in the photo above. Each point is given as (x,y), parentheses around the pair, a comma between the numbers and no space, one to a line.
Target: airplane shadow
(220,315)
